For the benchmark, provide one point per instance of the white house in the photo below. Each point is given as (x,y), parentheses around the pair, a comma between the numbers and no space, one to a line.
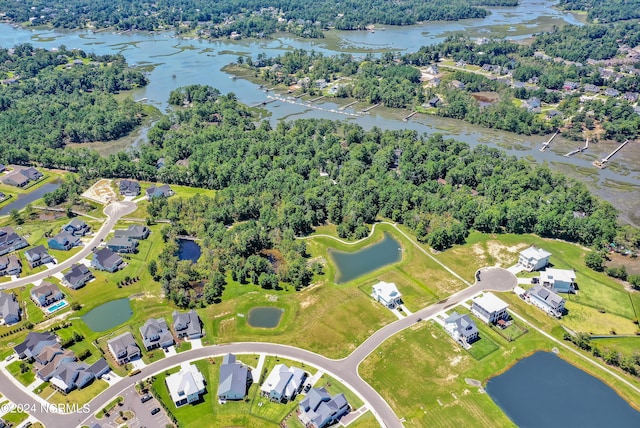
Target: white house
(387,293)
(546,300)
(559,280)
(489,308)
(186,385)
(283,383)
(533,258)
(461,328)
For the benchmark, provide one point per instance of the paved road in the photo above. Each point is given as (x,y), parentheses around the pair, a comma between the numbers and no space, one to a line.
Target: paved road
(345,370)
(113,211)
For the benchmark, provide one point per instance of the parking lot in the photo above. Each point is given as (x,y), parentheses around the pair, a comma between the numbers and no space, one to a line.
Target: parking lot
(142,413)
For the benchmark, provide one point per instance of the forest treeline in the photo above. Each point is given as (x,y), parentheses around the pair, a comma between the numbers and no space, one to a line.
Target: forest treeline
(249,18)
(604,11)
(50,98)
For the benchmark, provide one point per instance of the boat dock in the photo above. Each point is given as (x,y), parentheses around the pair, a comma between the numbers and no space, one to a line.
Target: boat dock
(263,103)
(292,100)
(603,163)
(347,106)
(406,118)
(370,108)
(316,99)
(141,100)
(545,146)
(578,150)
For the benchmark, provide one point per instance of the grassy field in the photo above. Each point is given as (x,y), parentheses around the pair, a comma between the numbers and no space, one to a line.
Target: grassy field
(78,396)
(25,378)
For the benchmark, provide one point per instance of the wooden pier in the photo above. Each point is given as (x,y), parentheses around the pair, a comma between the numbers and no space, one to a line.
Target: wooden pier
(578,150)
(263,103)
(406,118)
(370,108)
(603,163)
(546,145)
(316,99)
(347,106)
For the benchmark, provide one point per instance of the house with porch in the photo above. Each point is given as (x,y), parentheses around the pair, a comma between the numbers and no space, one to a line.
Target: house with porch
(71,375)
(123,348)
(559,280)
(234,380)
(319,409)
(9,309)
(46,294)
(77,277)
(106,260)
(546,300)
(187,324)
(121,244)
(37,256)
(533,259)
(133,232)
(461,328)
(159,191)
(77,227)
(156,334)
(283,383)
(129,188)
(63,241)
(186,386)
(387,293)
(489,308)
(10,240)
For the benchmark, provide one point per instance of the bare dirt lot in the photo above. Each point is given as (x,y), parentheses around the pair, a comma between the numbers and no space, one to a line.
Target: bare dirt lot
(101,192)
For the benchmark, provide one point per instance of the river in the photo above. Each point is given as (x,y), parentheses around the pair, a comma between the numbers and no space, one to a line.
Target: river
(174,62)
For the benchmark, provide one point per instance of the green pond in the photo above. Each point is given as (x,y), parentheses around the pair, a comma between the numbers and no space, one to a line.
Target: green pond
(108,315)
(350,266)
(265,317)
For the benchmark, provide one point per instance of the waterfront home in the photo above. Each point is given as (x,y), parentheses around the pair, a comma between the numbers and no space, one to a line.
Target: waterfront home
(489,308)
(132,232)
(533,258)
(632,97)
(33,344)
(10,265)
(546,300)
(235,377)
(319,409)
(37,256)
(10,240)
(461,328)
(456,84)
(123,348)
(77,277)
(570,86)
(106,260)
(186,386)
(187,324)
(120,244)
(559,280)
(532,105)
(77,227)
(159,191)
(156,334)
(20,176)
(387,293)
(9,309)
(129,188)
(46,294)
(63,241)
(591,88)
(283,383)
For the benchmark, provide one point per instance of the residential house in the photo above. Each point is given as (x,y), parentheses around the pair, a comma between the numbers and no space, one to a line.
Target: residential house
(10,240)
(432,69)
(489,308)
(387,294)
(129,188)
(186,386)
(9,309)
(570,86)
(106,260)
(319,409)
(120,244)
(456,84)
(552,113)
(49,358)
(532,105)
(33,344)
(559,280)
(611,92)
(159,191)
(77,277)
(156,334)
(77,227)
(71,375)
(434,102)
(321,83)
(63,241)
(37,256)
(45,294)
(10,265)
(187,324)
(283,383)
(461,328)
(235,377)
(133,232)
(533,258)
(591,88)
(546,300)
(632,97)
(123,348)
(99,368)
(160,163)
(20,177)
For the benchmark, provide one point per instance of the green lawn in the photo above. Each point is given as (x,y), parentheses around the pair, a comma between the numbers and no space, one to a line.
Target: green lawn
(15,417)
(25,378)
(80,396)
(482,347)
(334,387)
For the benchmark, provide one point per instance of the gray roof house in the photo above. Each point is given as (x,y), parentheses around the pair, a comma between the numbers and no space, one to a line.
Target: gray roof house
(63,241)
(107,260)
(99,368)
(123,348)
(132,232)
(37,256)
(77,227)
(33,344)
(283,383)
(129,188)
(461,328)
(159,191)
(121,244)
(156,334)
(319,409)
(10,265)
(46,294)
(546,300)
(234,379)
(9,308)
(77,277)
(10,240)
(187,324)
(71,375)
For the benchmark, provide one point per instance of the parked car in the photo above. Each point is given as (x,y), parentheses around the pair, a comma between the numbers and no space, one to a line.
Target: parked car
(145,398)
(155,411)
(9,357)
(307,387)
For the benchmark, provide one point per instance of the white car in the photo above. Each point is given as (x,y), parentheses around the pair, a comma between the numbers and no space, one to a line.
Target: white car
(10,357)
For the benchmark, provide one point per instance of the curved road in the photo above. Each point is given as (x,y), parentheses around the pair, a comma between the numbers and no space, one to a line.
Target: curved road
(113,211)
(346,369)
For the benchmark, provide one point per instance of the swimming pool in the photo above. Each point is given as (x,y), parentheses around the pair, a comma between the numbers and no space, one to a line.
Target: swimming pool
(61,304)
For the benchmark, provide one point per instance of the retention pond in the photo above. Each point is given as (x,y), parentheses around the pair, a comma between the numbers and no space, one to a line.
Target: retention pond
(108,315)
(265,317)
(353,265)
